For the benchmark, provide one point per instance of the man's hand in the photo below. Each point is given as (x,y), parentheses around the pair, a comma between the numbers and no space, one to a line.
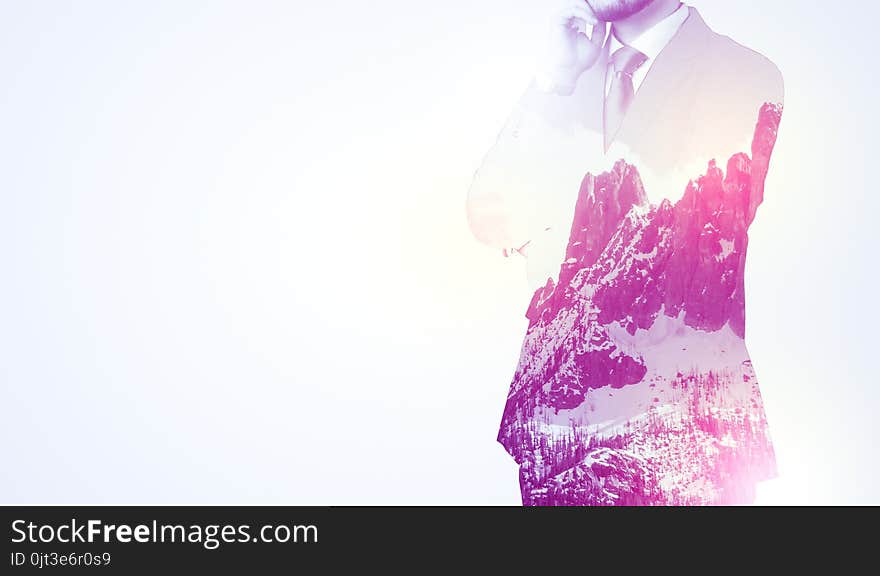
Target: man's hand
(573,45)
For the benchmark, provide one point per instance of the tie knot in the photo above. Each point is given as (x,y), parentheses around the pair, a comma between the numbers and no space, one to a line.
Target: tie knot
(627,60)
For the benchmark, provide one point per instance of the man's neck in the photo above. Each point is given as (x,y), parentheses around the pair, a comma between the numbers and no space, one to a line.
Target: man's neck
(634,26)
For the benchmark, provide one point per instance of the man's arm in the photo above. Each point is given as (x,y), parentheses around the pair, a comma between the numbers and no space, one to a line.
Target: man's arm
(503,201)
(496,202)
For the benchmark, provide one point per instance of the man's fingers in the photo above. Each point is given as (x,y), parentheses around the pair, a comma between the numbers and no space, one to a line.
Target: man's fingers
(576,11)
(597,36)
(579,18)
(585,6)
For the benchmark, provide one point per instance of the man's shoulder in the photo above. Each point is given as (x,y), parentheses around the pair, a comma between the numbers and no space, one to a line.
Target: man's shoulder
(727,62)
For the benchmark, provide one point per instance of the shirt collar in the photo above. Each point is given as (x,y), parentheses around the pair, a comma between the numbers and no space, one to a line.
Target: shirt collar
(653,40)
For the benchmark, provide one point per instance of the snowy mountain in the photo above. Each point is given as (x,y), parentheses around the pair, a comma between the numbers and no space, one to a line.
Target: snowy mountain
(634,384)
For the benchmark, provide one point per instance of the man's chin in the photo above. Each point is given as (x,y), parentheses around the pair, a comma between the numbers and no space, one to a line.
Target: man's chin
(614,10)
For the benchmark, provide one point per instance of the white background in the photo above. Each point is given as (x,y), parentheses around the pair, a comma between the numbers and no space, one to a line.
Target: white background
(236,266)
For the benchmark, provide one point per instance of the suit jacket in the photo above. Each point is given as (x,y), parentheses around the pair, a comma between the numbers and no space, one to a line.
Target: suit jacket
(699,102)
(634,385)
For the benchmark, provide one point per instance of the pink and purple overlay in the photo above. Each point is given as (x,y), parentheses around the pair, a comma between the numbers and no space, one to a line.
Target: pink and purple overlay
(634,385)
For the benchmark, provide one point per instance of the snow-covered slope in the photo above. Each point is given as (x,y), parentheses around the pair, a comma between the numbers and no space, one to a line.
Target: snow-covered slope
(634,358)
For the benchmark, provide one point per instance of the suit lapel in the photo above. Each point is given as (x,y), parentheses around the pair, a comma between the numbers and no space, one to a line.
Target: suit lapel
(662,105)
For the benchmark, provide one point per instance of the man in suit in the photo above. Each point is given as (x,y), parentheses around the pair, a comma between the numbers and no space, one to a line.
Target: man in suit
(637,109)
(696,97)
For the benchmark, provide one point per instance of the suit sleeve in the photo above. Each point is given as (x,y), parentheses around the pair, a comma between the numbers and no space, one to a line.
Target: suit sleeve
(511,192)
(498,194)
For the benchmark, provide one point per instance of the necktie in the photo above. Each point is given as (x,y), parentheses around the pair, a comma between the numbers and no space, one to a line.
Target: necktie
(622,65)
